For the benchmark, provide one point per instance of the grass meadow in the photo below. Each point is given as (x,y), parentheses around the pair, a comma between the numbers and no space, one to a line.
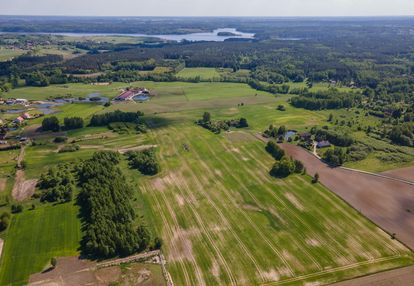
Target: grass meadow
(223,219)
(34,237)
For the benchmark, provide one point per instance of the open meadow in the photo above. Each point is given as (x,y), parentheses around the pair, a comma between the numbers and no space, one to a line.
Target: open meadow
(35,237)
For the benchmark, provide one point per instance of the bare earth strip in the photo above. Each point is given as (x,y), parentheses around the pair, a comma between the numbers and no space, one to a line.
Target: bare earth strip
(397,277)
(22,188)
(387,203)
(404,173)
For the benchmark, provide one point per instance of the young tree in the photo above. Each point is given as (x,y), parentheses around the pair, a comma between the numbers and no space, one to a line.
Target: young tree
(315,178)
(206,117)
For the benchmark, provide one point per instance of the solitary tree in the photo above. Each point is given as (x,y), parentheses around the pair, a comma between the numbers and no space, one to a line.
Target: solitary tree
(315,178)
(206,117)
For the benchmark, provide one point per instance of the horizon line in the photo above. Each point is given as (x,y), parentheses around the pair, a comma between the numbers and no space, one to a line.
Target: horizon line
(211,16)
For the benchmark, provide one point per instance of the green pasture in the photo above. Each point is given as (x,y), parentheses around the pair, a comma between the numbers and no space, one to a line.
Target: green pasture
(34,237)
(203,73)
(224,220)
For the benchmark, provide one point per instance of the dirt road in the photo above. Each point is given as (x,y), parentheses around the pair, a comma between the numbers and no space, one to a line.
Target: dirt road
(388,203)
(397,277)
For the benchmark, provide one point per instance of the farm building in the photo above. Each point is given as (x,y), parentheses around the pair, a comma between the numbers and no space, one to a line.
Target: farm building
(18,120)
(323,144)
(131,93)
(306,136)
(21,101)
(26,116)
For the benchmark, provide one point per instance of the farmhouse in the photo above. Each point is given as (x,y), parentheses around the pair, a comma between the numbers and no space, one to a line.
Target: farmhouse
(306,136)
(21,101)
(18,120)
(323,144)
(129,94)
(26,116)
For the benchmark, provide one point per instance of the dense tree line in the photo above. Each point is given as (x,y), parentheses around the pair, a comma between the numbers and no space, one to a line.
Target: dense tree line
(105,199)
(115,116)
(331,99)
(72,123)
(144,161)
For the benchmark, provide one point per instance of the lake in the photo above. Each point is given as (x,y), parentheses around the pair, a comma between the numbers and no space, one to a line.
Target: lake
(193,37)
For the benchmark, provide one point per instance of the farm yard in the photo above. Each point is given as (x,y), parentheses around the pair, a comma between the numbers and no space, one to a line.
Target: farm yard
(223,219)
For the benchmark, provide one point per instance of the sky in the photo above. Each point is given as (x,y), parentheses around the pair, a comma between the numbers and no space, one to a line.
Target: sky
(208,7)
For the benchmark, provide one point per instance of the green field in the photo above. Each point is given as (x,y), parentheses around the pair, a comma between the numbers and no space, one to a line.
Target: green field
(223,219)
(7,54)
(203,73)
(35,237)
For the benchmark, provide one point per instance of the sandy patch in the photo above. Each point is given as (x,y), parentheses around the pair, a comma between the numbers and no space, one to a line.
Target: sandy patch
(294,201)
(316,283)
(215,269)
(158,184)
(312,242)
(235,150)
(183,249)
(3,184)
(250,207)
(218,172)
(1,246)
(22,188)
(180,200)
(136,148)
(271,275)
(284,271)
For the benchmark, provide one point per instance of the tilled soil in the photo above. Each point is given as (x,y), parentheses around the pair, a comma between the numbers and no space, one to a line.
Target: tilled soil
(397,277)
(404,173)
(388,203)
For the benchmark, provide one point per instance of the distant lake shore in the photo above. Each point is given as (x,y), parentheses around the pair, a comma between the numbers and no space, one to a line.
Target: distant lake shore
(218,35)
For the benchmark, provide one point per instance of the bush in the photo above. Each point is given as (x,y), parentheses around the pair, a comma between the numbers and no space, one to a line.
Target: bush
(4,221)
(145,161)
(315,178)
(282,168)
(60,139)
(273,149)
(16,208)
(69,148)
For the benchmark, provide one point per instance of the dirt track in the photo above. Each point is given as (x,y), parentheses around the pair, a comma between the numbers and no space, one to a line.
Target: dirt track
(388,203)
(404,173)
(397,277)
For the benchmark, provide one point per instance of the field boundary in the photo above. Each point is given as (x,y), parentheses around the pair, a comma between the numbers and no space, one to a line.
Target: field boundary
(141,258)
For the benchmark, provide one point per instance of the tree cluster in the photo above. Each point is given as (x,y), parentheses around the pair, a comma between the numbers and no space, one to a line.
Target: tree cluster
(144,161)
(284,166)
(109,218)
(73,123)
(216,126)
(57,184)
(115,116)
(331,99)
(338,139)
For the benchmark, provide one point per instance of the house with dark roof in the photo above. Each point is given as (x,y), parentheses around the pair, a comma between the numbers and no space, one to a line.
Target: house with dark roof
(323,144)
